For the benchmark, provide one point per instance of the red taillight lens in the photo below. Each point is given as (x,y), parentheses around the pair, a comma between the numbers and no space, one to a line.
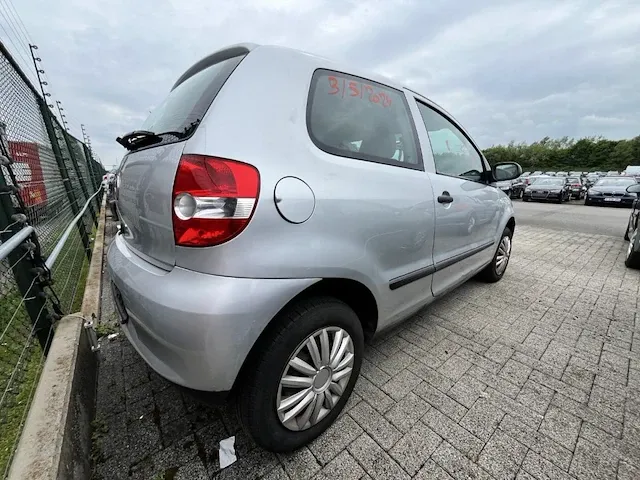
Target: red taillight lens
(213,200)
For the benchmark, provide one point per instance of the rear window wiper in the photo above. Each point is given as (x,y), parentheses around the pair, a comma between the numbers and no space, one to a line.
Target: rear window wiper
(134,139)
(139,138)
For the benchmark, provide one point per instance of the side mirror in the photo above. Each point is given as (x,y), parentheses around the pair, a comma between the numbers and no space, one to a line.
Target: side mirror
(634,188)
(506,171)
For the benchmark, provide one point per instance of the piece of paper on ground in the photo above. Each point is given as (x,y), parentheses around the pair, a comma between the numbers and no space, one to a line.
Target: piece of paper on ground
(227,452)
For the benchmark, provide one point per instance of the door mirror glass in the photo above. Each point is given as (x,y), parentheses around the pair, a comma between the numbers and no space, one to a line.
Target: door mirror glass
(634,188)
(506,171)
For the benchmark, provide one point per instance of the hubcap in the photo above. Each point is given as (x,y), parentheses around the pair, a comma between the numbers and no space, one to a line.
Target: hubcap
(504,252)
(315,378)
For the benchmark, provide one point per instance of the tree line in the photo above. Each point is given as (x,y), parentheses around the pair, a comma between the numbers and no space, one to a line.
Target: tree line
(585,154)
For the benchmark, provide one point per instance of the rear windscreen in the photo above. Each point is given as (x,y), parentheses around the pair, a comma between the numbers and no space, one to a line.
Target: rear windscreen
(185,105)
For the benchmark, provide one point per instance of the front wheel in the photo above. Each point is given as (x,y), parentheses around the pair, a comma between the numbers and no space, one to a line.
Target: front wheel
(495,270)
(303,374)
(632,260)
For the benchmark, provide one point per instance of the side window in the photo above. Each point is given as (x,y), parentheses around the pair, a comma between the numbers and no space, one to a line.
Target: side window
(356,118)
(453,154)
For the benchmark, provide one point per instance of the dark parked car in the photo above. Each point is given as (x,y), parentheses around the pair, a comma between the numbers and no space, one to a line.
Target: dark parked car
(576,187)
(632,234)
(611,191)
(547,188)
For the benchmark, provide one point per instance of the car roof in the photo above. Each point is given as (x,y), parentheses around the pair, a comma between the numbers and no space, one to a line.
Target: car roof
(295,54)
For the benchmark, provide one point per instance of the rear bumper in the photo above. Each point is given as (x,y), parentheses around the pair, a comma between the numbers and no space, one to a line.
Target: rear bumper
(191,328)
(601,200)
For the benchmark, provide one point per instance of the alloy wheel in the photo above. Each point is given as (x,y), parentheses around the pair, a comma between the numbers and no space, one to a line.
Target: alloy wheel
(502,257)
(315,378)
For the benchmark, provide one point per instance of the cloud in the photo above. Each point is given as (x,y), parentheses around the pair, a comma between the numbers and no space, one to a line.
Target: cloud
(507,70)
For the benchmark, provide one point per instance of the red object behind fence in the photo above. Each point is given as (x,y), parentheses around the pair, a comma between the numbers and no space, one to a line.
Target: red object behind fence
(28,171)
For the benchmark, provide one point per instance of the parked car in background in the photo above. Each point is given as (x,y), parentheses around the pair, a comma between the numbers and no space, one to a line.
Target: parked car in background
(632,234)
(547,188)
(590,179)
(537,172)
(551,174)
(525,174)
(611,191)
(613,173)
(239,270)
(576,187)
(632,171)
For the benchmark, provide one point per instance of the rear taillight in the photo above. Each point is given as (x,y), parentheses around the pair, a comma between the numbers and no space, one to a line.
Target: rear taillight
(213,200)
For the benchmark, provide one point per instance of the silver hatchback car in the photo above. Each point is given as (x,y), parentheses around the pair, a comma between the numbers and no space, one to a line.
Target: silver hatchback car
(277,209)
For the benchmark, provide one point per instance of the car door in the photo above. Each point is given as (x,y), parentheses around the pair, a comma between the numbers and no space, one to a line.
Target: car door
(467,208)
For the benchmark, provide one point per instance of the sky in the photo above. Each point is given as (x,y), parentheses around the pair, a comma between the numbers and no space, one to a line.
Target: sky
(507,70)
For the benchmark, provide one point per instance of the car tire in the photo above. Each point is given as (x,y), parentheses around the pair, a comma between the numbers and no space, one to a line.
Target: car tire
(632,260)
(495,271)
(587,202)
(627,230)
(262,390)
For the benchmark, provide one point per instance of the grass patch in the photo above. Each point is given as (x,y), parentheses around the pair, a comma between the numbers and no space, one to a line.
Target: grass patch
(69,275)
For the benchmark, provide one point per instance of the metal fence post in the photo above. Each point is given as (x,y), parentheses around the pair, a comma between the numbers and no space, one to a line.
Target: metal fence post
(22,267)
(75,208)
(96,180)
(81,179)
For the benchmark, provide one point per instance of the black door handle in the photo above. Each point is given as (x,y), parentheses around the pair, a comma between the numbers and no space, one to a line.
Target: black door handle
(445,197)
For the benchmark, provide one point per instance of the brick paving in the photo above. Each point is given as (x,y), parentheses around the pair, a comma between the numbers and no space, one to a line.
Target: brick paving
(535,377)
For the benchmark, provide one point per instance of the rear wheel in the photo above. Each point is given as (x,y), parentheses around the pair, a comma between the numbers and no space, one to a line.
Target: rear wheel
(495,270)
(632,259)
(587,202)
(303,374)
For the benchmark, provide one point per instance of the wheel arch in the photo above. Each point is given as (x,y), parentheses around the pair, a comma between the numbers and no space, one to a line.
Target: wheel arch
(355,294)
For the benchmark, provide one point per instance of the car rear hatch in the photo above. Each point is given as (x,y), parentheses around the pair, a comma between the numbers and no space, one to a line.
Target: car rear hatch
(146,177)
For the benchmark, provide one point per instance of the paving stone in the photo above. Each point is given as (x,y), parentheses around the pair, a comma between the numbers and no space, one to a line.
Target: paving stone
(482,419)
(561,426)
(559,386)
(372,373)
(404,414)
(454,367)
(499,353)
(453,433)
(441,401)
(494,381)
(457,464)
(342,467)
(255,464)
(277,473)
(607,402)
(401,384)
(466,390)
(376,397)
(502,455)
(300,464)
(534,396)
(414,448)
(588,414)
(537,442)
(540,468)
(589,463)
(335,439)
(375,425)
(376,462)
(515,372)
(432,471)
(431,376)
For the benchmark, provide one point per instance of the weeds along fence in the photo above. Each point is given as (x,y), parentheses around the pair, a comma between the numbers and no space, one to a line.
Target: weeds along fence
(47,178)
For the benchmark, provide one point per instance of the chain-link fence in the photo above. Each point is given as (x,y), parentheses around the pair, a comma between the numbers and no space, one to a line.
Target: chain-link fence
(46,179)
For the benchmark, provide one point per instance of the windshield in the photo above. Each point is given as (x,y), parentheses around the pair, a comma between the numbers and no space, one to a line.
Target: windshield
(549,182)
(615,182)
(573,180)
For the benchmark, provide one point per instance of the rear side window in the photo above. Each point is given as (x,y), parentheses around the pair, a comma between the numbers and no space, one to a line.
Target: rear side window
(186,104)
(356,118)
